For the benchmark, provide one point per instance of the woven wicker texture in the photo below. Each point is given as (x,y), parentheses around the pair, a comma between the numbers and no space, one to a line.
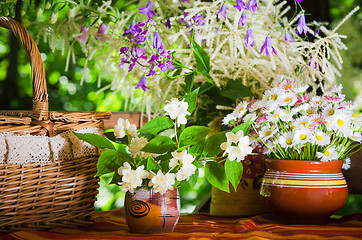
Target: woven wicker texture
(45,194)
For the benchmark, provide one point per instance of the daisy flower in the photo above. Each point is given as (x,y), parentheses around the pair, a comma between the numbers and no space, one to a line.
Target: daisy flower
(265,132)
(240,109)
(287,140)
(328,154)
(320,138)
(302,136)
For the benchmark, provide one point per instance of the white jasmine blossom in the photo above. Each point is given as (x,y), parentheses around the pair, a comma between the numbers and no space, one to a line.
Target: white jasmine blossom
(124,128)
(162,182)
(177,110)
(136,145)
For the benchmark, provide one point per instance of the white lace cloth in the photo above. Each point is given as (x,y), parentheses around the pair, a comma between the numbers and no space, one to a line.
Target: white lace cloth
(15,149)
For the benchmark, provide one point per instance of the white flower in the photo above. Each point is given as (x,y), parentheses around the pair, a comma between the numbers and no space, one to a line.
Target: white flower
(126,166)
(177,109)
(272,95)
(286,140)
(302,122)
(279,113)
(251,116)
(356,136)
(256,106)
(347,164)
(329,110)
(124,128)
(320,138)
(228,118)
(240,109)
(181,158)
(342,122)
(265,132)
(234,137)
(136,145)
(185,172)
(288,98)
(302,136)
(162,182)
(241,150)
(317,101)
(328,154)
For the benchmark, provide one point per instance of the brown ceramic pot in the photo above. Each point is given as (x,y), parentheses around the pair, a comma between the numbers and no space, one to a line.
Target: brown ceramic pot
(152,212)
(303,192)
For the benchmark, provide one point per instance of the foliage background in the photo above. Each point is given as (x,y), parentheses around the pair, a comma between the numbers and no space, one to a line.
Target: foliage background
(66,92)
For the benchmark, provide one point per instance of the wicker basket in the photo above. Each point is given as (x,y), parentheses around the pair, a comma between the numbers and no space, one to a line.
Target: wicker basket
(62,192)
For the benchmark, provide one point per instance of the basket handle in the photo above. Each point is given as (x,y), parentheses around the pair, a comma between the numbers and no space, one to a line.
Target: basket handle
(40,95)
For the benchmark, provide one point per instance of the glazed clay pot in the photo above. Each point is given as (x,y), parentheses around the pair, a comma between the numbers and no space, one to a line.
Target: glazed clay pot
(303,192)
(152,212)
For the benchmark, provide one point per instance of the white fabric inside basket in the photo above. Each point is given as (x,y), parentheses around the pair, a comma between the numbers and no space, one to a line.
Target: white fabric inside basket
(23,149)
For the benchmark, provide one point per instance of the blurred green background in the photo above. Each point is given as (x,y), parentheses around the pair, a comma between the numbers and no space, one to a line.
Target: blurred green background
(66,92)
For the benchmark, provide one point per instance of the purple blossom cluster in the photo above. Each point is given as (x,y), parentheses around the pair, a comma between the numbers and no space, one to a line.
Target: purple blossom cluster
(252,5)
(155,59)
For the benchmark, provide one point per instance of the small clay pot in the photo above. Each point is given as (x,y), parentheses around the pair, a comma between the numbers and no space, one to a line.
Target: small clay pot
(152,212)
(303,192)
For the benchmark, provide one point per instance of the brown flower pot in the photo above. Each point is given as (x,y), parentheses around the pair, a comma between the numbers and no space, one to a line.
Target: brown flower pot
(303,192)
(152,212)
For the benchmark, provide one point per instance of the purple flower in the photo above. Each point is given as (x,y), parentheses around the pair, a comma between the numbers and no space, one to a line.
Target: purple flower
(249,40)
(139,53)
(299,0)
(157,42)
(154,58)
(152,71)
(288,38)
(302,26)
(242,19)
(133,24)
(83,34)
(222,11)
(239,5)
(103,29)
(198,19)
(123,60)
(267,46)
(148,10)
(123,50)
(142,84)
(131,66)
(252,4)
(316,32)
(163,67)
(184,18)
(170,65)
(168,23)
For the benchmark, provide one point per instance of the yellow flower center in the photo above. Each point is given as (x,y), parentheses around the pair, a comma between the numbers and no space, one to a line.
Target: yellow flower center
(318,121)
(276,116)
(289,141)
(340,122)
(303,137)
(241,109)
(310,111)
(287,87)
(267,133)
(355,115)
(319,138)
(304,123)
(287,100)
(331,112)
(274,97)
(318,102)
(327,153)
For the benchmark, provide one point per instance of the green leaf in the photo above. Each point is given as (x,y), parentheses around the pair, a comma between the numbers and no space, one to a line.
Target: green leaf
(152,165)
(202,58)
(157,125)
(212,144)
(205,87)
(235,89)
(192,135)
(116,178)
(215,175)
(197,148)
(108,162)
(95,140)
(245,127)
(234,172)
(177,64)
(160,144)
(189,80)
(142,162)
(193,178)
(191,99)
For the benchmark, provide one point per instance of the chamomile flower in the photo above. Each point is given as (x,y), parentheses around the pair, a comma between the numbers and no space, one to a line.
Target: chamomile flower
(356,136)
(328,154)
(341,122)
(316,120)
(329,110)
(240,109)
(265,132)
(287,84)
(288,98)
(302,136)
(229,119)
(320,138)
(272,95)
(302,122)
(287,140)
(346,164)
(316,102)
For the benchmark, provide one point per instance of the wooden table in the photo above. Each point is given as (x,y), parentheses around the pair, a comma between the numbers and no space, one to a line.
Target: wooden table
(112,225)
